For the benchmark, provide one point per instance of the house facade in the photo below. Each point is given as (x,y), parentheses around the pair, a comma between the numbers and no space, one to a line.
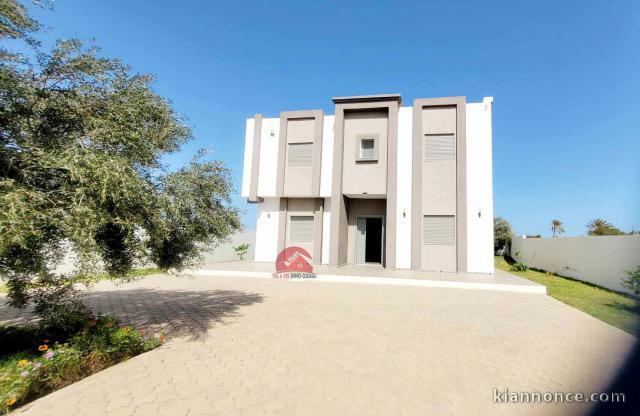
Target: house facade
(406,187)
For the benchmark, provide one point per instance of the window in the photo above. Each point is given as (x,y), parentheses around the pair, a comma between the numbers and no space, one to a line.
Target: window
(439,147)
(300,154)
(439,230)
(367,147)
(301,228)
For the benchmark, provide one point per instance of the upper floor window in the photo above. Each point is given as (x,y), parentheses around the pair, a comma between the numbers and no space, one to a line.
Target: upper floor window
(300,154)
(439,147)
(367,147)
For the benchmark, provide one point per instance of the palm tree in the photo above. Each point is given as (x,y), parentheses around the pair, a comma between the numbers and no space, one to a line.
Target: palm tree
(557,227)
(602,227)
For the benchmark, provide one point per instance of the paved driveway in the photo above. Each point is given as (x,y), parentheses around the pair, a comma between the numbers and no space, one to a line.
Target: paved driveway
(243,346)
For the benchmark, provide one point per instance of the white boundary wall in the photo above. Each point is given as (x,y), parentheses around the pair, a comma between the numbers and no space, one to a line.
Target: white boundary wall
(599,259)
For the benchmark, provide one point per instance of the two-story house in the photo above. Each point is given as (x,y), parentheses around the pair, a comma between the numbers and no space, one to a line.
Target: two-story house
(404,187)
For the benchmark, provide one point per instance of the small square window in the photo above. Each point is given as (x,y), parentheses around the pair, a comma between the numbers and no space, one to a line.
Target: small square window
(367,148)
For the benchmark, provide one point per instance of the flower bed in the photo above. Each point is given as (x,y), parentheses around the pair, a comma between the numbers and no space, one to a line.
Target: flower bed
(35,371)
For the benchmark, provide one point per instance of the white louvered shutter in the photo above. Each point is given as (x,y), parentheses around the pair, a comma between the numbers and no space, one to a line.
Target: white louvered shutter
(300,154)
(439,147)
(301,228)
(439,230)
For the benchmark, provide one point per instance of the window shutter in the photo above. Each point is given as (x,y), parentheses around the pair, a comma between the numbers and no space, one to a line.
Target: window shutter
(439,230)
(439,147)
(301,228)
(300,154)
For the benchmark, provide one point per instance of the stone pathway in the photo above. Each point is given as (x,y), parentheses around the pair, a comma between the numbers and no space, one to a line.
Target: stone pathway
(243,346)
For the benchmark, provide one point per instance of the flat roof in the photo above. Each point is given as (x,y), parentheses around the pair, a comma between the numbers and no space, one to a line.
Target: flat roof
(367,98)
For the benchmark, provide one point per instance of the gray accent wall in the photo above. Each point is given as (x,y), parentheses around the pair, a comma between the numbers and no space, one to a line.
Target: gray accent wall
(346,124)
(359,176)
(311,207)
(299,127)
(439,184)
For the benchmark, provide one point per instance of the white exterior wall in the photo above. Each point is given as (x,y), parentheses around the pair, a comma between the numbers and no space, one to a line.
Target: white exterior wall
(599,259)
(326,166)
(403,199)
(268,171)
(326,222)
(267,230)
(479,187)
(248,154)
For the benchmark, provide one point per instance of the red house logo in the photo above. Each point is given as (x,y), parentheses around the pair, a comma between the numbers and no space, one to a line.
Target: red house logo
(294,263)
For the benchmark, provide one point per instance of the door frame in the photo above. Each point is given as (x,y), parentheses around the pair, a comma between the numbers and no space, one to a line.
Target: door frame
(382,250)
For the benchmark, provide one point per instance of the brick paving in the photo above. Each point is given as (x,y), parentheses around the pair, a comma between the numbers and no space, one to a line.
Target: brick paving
(243,346)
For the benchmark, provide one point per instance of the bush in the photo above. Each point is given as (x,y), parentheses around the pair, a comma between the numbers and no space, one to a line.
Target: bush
(38,370)
(633,281)
(241,250)
(518,267)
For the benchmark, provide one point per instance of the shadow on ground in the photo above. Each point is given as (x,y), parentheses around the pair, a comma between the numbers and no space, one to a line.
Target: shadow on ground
(178,313)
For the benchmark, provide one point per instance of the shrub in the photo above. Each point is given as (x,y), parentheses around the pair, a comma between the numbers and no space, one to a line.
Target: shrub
(241,250)
(633,281)
(518,267)
(44,366)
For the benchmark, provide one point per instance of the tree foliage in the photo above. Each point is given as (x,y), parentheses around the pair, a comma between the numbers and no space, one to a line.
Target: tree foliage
(502,234)
(632,281)
(15,23)
(599,226)
(557,227)
(80,170)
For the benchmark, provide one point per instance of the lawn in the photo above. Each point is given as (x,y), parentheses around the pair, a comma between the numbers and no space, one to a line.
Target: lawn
(614,308)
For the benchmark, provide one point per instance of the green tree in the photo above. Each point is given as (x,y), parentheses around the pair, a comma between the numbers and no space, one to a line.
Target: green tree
(599,226)
(557,227)
(15,23)
(632,282)
(241,250)
(502,234)
(81,143)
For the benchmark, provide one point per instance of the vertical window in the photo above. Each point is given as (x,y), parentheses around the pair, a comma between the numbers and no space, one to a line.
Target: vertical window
(439,147)
(300,154)
(367,147)
(301,228)
(439,230)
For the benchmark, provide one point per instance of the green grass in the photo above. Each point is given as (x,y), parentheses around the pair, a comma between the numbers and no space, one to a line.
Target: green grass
(132,275)
(617,309)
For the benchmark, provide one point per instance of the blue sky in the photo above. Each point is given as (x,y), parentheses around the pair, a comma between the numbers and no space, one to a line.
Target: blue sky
(565,77)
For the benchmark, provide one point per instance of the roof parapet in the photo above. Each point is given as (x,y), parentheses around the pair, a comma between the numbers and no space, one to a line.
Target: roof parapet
(367,98)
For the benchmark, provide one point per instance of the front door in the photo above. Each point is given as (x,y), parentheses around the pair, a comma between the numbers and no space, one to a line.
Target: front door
(370,239)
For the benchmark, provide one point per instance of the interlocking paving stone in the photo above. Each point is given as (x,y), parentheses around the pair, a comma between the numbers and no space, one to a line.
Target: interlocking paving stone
(243,346)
